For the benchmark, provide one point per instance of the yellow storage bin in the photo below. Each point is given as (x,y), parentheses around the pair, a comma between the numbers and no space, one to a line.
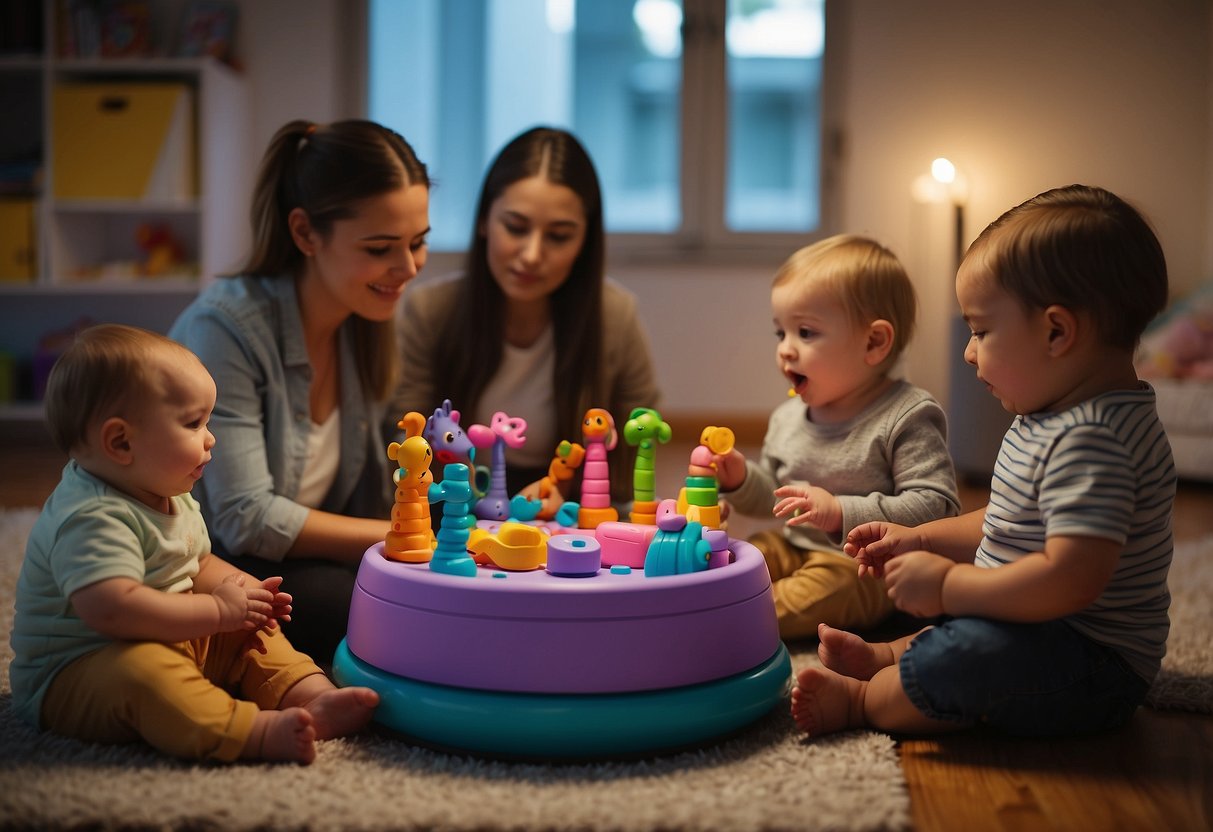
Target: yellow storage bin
(123,141)
(18,240)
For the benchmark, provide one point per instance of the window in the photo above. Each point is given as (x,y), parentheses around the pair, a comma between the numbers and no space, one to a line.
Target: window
(703,117)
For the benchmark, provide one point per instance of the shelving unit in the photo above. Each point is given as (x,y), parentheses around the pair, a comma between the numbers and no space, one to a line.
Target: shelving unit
(87,263)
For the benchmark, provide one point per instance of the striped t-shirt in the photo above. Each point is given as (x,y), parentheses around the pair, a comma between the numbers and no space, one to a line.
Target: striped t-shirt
(1101,469)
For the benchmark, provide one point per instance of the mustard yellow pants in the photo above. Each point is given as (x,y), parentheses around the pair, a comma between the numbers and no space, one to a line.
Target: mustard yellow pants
(192,699)
(812,587)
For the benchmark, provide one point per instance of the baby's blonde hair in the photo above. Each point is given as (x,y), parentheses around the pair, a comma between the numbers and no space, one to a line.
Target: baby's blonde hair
(106,367)
(864,276)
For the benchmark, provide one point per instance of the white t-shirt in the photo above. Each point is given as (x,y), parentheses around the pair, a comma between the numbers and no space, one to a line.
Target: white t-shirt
(323,459)
(523,389)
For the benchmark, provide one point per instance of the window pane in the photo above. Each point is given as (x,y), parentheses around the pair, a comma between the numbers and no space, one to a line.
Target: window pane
(628,93)
(774,52)
(459,78)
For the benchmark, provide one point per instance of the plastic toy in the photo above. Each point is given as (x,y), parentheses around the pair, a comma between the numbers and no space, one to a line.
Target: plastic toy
(501,431)
(541,665)
(574,556)
(644,429)
(552,490)
(514,546)
(447,439)
(455,493)
(678,547)
(699,499)
(598,431)
(163,253)
(411,538)
(624,544)
(634,639)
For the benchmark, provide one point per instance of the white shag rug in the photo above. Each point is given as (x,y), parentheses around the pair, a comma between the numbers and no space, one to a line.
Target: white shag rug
(766,778)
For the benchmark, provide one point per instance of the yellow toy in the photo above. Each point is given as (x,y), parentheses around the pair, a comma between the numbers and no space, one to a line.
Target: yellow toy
(411,538)
(516,547)
(699,499)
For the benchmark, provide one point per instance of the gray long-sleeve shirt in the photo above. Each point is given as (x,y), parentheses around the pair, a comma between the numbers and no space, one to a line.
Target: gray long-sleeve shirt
(889,462)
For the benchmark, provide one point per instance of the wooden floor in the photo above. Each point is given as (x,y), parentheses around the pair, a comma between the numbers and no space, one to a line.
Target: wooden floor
(1157,774)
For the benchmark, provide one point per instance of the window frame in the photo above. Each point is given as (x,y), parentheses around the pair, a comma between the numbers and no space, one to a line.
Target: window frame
(703,237)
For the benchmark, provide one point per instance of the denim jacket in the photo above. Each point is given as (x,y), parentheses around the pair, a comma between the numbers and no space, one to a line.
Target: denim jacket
(248,333)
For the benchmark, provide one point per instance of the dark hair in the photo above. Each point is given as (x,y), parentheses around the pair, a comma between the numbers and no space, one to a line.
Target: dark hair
(104,368)
(1083,248)
(469,361)
(326,169)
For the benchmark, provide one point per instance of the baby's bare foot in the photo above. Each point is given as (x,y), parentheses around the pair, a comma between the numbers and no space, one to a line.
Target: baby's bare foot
(848,654)
(824,702)
(339,712)
(282,735)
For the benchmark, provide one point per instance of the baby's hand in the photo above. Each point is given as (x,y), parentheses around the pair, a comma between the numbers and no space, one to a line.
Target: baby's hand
(730,470)
(915,582)
(240,607)
(808,505)
(873,544)
(280,603)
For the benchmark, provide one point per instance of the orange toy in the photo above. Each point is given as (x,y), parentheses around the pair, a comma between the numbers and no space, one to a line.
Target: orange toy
(411,538)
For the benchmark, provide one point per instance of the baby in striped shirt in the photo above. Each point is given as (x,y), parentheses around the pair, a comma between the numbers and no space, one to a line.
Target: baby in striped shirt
(1052,600)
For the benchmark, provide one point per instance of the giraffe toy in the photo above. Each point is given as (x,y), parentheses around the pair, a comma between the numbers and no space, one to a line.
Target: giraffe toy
(410,538)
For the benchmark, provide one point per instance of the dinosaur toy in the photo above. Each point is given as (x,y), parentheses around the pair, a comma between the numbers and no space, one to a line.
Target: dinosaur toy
(643,430)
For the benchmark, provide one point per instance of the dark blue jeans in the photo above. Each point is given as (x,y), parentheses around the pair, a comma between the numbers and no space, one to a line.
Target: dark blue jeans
(1028,679)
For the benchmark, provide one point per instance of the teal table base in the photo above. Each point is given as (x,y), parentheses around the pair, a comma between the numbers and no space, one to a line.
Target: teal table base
(537,725)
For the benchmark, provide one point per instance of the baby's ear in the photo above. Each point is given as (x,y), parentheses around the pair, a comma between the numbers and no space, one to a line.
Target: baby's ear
(880,342)
(115,440)
(1063,329)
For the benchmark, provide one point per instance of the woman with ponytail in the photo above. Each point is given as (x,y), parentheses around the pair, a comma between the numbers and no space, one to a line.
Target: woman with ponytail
(301,344)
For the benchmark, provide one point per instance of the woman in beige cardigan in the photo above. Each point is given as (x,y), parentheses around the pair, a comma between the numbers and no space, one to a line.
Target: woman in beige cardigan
(532,326)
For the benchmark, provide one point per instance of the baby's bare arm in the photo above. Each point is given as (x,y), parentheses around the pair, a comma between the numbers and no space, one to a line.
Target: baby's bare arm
(123,608)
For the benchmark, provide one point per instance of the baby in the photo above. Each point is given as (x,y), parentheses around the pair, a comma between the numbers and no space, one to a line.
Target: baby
(854,445)
(1056,592)
(126,626)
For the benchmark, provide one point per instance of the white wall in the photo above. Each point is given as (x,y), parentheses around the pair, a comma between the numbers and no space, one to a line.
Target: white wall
(1022,96)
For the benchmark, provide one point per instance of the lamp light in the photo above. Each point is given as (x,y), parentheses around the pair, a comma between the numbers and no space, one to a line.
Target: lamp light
(946,184)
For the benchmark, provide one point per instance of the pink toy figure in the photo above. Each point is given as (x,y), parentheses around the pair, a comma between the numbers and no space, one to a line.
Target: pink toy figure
(411,539)
(598,432)
(503,430)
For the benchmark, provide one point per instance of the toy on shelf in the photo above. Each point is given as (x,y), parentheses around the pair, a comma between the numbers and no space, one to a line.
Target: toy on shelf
(699,499)
(643,430)
(455,493)
(598,432)
(502,430)
(552,490)
(163,252)
(411,539)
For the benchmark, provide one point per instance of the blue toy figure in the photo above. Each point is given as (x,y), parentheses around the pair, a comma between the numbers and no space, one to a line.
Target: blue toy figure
(455,492)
